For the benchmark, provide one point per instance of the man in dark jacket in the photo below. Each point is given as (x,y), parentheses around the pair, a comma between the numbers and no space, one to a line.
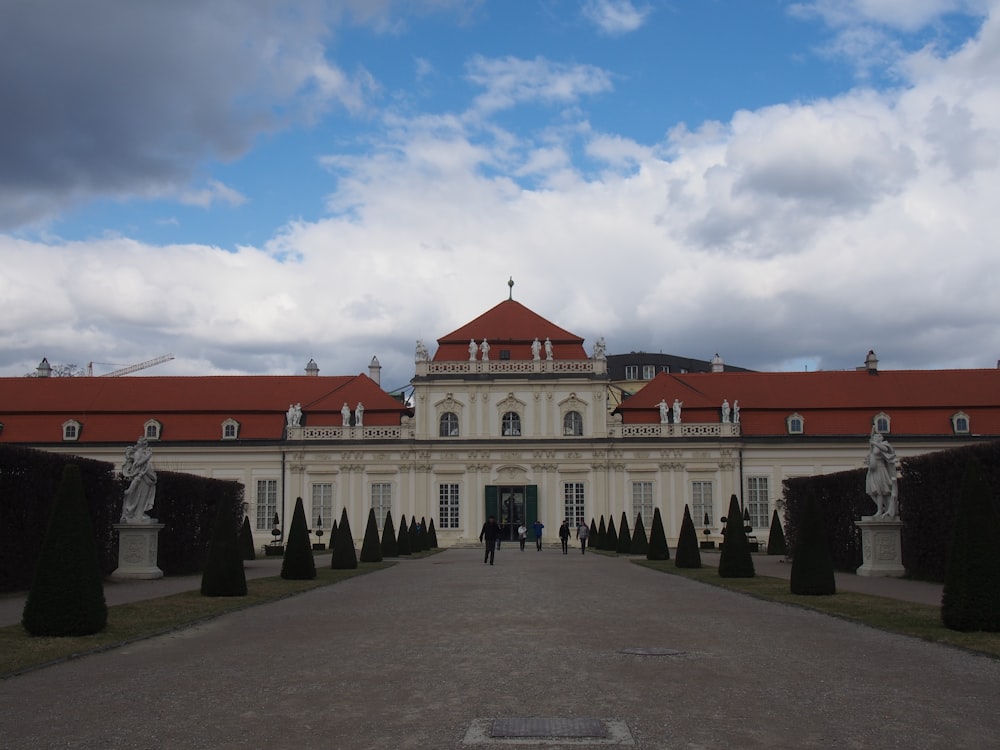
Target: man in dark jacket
(490,532)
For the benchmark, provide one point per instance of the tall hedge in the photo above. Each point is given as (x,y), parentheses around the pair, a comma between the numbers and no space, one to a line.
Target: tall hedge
(67,595)
(812,563)
(688,552)
(403,538)
(224,574)
(640,543)
(298,563)
(247,550)
(611,537)
(371,547)
(592,535)
(735,560)
(432,538)
(390,548)
(776,537)
(658,549)
(971,599)
(624,536)
(602,536)
(840,500)
(344,556)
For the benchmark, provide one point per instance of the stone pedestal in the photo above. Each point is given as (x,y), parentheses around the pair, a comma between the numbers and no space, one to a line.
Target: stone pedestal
(881,551)
(137,547)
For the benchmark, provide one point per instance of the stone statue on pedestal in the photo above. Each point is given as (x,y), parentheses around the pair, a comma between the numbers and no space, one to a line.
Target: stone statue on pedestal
(141,492)
(880,483)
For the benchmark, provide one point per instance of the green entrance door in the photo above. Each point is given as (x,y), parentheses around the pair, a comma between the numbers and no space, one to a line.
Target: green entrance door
(512,506)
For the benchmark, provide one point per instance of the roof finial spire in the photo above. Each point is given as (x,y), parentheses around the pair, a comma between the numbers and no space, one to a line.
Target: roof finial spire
(510,283)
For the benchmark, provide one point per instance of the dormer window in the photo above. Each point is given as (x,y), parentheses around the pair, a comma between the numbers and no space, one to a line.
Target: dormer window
(505,354)
(71,430)
(648,372)
(230,429)
(960,423)
(152,429)
(796,424)
(882,423)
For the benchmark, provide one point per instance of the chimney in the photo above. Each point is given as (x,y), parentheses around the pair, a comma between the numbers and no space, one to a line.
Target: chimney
(375,371)
(44,369)
(871,362)
(717,365)
(312,368)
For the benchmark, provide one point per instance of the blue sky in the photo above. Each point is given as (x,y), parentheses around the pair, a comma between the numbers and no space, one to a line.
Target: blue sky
(787,183)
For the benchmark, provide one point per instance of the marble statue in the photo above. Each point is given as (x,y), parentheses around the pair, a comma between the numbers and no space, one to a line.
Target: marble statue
(536,349)
(880,483)
(736,411)
(725,410)
(663,411)
(599,348)
(677,410)
(345,412)
(294,415)
(472,350)
(548,349)
(421,354)
(141,492)
(359,415)
(485,349)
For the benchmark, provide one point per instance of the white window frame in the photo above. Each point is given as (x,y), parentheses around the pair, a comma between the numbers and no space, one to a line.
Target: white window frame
(448,425)
(266,503)
(574,503)
(151,429)
(230,430)
(573,424)
(510,424)
(795,424)
(759,501)
(449,505)
(322,505)
(648,372)
(960,423)
(642,501)
(702,502)
(381,501)
(631,372)
(71,430)
(882,423)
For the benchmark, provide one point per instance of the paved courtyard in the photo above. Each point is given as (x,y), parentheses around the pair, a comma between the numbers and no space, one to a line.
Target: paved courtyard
(428,653)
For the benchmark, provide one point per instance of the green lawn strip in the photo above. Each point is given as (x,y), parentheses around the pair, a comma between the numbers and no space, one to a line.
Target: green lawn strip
(20,652)
(895,616)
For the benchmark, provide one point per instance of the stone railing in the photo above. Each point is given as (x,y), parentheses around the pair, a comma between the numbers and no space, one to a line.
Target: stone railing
(321,432)
(513,367)
(683,430)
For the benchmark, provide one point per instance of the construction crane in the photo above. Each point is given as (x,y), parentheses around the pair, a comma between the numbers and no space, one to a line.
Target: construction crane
(131,368)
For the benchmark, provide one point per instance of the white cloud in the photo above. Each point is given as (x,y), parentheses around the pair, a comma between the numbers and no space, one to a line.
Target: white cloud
(615,17)
(510,81)
(213,192)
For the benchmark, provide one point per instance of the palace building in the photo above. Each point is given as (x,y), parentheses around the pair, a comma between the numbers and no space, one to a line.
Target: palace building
(510,416)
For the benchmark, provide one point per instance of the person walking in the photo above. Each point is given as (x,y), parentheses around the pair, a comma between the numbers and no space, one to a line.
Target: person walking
(491,533)
(582,532)
(522,535)
(538,526)
(564,536)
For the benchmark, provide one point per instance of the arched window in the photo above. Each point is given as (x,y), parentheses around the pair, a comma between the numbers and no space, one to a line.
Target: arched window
(882,423)
(230,429)
(448,425)
(152,429)
(572,423)
(960,423)
(511,424)
(71,429)
(796,424)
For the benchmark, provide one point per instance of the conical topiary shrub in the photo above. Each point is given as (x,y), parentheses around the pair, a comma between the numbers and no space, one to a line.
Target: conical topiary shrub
(403,538)
(432,535)
(812,561)
(624,537)
(224,574)
(971,598)
(298,564)
(414,536)
(592,536)
(688,553)
(67,595)
(776,538)
(371,547)
(640,542)
(658,549)
(344,557)
(611,537)
(247,552)
(333,536)
(389,546)
(735,560)
(602,536)
(425,540)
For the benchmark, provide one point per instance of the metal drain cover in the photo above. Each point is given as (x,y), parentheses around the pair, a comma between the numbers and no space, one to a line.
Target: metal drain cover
(652,652)
(536,727)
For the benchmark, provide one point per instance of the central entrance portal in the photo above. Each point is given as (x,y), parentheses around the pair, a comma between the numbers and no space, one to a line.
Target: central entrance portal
(512,505)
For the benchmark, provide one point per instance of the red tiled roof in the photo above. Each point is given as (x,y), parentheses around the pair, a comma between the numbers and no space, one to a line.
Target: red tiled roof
(510,326)
(919,402)
(189,408)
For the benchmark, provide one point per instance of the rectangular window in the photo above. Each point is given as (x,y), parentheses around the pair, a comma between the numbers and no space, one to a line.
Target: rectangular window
(642,502)
(267,503)
(648,372)
(631,372)
(701,503)
(382,502)
(322,506)
(448,506)
(758,503)
(573,508)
